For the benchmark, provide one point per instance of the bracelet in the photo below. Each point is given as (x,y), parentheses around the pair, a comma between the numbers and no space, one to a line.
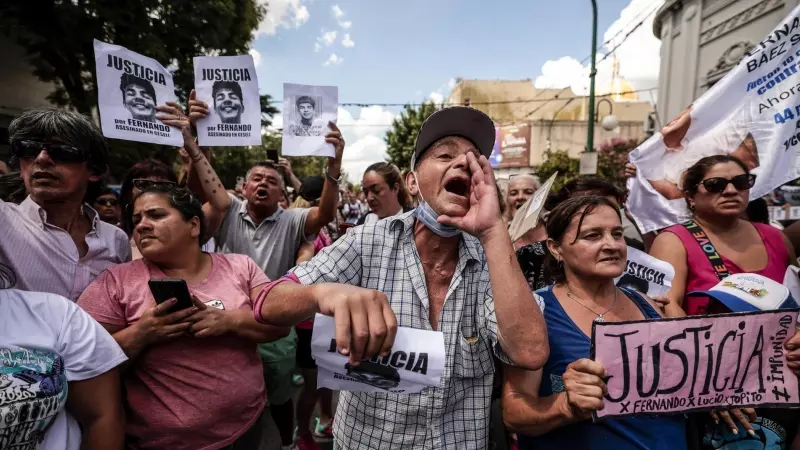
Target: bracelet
(335,181)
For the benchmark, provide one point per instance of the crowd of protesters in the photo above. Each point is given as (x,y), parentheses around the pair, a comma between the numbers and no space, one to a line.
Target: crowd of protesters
(90,359)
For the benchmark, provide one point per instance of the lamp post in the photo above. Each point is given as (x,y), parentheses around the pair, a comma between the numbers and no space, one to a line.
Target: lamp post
(592,73)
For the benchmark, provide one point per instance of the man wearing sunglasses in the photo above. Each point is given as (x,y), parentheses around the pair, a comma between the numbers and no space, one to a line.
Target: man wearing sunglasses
(53,241)
(107,206)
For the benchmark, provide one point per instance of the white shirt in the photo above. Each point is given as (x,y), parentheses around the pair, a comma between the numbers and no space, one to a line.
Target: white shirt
(372,217)
(45,258)
(46,341)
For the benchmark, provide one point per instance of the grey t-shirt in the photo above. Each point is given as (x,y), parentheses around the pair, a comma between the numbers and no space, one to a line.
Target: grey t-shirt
(273,244)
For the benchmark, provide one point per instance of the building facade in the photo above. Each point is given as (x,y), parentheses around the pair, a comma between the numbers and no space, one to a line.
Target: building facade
(701,40)
(551,119)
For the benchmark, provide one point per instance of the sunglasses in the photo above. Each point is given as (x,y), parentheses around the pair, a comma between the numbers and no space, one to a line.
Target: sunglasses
(61,153)
(106,202)
(717,185)
(143,183)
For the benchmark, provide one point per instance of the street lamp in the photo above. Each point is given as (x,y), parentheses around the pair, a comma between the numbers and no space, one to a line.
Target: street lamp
(592,73)
(588,164)
(609,122)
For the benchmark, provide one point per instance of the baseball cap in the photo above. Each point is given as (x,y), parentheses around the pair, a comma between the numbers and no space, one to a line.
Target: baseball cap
(463,121)
(745,292)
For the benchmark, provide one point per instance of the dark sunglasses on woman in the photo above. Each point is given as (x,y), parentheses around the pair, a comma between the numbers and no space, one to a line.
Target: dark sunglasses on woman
(106,202)
(60,153)
(741,182)
(143,183)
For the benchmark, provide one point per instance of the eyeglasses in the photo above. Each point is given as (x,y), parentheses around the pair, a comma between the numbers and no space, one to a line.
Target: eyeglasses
(106,201)
(717,185)
(61,153)
(143,183)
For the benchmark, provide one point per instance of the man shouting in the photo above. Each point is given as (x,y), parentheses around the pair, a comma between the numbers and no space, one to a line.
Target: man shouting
(447,266)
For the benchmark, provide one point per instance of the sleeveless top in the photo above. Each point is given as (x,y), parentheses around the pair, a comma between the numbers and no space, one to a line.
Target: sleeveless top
(700,275)
(568,344)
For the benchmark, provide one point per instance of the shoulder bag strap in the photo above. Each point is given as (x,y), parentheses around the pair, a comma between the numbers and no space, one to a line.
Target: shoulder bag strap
(708,249)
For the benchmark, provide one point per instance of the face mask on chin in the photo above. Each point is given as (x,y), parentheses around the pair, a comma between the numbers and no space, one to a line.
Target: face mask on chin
(425,214)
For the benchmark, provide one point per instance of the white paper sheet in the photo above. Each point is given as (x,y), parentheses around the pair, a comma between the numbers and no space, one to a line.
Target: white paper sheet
(527,215)
(416,362)
(646,274)
(129,87)
(230,87)
(306,113)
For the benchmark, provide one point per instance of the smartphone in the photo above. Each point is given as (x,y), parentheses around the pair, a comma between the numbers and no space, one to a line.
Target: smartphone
(239,182)
(343,227)
(165,289)
(272,155)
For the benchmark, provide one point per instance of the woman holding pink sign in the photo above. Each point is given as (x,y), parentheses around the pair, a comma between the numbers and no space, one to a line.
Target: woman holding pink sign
(552,407)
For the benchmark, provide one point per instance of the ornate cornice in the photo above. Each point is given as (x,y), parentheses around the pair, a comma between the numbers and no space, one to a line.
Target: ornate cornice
(743,17)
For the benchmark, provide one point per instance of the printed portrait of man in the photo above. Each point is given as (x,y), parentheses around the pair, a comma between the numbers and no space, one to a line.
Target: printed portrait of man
(729,137)
(139,97)
(304,123)
(228,102)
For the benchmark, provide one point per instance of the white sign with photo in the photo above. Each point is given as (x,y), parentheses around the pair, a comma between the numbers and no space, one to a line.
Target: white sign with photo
(753,113)
(646,274)
(306,113)
(129,87)
(416,362)
(229,85)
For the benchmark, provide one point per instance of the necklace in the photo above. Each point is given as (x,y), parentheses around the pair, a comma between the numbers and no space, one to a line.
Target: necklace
(599,317)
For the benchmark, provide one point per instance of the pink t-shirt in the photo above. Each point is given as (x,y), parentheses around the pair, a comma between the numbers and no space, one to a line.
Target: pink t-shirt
(702,277)
(198,393)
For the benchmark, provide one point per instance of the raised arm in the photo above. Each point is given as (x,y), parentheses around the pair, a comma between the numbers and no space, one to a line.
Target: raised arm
(217,200)
(323,214)
(668,247)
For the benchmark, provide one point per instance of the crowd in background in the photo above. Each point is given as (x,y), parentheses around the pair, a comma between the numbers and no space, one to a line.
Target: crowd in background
(428,248)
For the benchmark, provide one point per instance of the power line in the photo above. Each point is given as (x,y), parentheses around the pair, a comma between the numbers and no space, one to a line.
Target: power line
(625,38)
(512,101)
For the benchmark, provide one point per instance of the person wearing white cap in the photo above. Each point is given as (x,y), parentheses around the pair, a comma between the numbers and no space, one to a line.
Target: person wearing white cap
(447,266)
(768,428)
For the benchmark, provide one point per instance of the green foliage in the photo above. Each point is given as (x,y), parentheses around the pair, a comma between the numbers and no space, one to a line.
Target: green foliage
(611,158)
(560,162)
(400,138)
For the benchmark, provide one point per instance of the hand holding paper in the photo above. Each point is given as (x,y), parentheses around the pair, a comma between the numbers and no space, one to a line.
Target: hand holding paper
(584,387)
(365,323)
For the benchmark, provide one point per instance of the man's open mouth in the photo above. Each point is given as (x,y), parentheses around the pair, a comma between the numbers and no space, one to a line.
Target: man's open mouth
(458,186)
(43,176)
(261,194)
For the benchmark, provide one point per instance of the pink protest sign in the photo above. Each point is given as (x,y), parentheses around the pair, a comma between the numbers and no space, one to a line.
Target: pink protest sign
(696,363)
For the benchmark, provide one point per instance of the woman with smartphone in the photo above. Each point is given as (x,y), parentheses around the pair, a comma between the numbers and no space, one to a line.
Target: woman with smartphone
(194,379)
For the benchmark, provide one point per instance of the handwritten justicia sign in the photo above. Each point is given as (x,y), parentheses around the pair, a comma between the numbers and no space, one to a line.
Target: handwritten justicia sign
(696,363)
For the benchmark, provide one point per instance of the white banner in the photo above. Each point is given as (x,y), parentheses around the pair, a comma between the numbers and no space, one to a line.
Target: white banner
(416,362)
(129,87)
(753,113)
(306,113)
(229,85)
(646,274)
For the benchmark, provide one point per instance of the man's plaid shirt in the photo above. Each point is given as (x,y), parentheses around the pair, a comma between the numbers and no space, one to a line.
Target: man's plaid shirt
(383,256)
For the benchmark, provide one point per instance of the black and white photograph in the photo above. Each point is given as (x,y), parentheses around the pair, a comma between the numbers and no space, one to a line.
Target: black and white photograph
(229,85)
(130,86)
(139,97)
(307,110)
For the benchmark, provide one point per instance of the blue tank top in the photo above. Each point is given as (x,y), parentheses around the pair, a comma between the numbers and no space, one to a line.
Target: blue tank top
(568,344)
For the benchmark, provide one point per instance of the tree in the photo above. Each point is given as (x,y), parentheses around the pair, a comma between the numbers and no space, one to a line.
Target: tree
(558,161)
(401,136)
(57,36)
(611,158)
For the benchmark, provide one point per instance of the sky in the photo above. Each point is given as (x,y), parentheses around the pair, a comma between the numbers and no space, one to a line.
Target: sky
(381,51)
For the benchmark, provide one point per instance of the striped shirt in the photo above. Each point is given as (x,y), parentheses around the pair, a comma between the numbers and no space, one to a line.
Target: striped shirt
(382,256)
(44,257)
